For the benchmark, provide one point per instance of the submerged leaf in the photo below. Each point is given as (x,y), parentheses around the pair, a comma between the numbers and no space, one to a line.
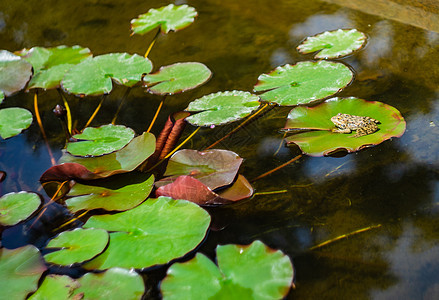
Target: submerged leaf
(16,207)
(15,72)
(14,120)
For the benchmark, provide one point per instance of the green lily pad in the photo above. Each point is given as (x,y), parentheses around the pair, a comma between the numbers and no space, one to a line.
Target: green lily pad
(222,107)
(243,272)
(15,72)
(322,141)
(13,121)
(56,287)
(94,76)
(87,168)
(171,17)
(51,64)
(153,233)
(20,270)
(96,141)
(115,283)
(177,78)
(76,246)
(303,82)
(16,207)
(90,197)
(333,44)
(2,96)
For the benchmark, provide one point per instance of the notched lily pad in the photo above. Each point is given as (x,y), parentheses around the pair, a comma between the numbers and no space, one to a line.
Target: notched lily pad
(177,78)
(15,72)
(13,120)
(333,44)
(222,108)
(16,207)
(304,82)
(171,17)
(321,140)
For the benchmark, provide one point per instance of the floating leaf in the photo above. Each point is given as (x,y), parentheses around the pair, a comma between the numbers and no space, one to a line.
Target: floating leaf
(222,107)
(171,17)
(243,272)
(90,197)
(76,246)
(20,270)
(333,44)
(15,72)
(16,207)
(56,287)
(93,76)
(153,233)
(100,140)
(322,141)
(303,82)
(214,168)
(115,283)
(51,64)
(13,121)
(87,168)
(177,78)
(2,96)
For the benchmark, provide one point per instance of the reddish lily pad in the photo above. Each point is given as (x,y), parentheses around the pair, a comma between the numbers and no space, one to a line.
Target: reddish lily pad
(323,141)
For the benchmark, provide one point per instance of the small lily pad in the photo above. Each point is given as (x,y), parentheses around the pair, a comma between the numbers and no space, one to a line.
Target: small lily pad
(303,82)
(171,17)
(94,76)
(333,44)
(153,233)
(16,207)
(222,108)
(20,270)
(321,140)
(101,140)
(13,120)
(76,246)
(56,287)
(243,272)
(177,78)
(15,72)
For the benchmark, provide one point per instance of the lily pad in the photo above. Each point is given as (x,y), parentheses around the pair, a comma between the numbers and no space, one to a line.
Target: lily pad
(51,64)
(115,283)
(56,287)
(87,168)
(322,141)
(214,168)
(153,233)
(94,76)
(2,96)
(15,72)
(16,207)
(88,197)
(101,140)
(13,120)
(243,272)
(20,270)
(222,107)
(76,246)
(171,17)
(303,82)
(333,44)
(177,78)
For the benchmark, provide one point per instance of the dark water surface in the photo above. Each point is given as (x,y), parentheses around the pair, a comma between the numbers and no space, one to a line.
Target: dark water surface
(394,186)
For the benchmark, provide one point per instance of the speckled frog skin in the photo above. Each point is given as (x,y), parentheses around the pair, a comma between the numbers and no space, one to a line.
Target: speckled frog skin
(346,123)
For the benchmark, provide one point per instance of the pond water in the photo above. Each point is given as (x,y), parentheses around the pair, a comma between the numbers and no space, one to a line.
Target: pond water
(391,189)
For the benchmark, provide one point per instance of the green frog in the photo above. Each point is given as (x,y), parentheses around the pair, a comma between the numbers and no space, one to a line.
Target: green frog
(346,123)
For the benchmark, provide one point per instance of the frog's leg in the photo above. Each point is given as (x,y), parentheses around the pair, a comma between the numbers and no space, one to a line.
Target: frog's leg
(339,130)
(360,132)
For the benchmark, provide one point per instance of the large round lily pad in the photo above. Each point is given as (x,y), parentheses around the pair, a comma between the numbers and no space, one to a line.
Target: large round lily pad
(333,44)
(177,78)
(243,272)
(323,141)
(14,120)
(15,72)
(76,246)
(100,140)
(20,270)
(303,82)
(171,17)
(94,76)
(153,233)
(222,107)
(16,207)
(56,287)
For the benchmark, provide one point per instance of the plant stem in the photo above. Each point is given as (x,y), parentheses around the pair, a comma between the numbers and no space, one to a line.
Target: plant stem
(156,114)
(280,144)
(72,220)
(152,43)
(69,113)
(95,112)
(277,168)
(40,124)
(270,193)
(125,95)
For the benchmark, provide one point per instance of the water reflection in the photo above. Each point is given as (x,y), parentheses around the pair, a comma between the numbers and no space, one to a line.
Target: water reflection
(319,169)
(380,45)
(318,23)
